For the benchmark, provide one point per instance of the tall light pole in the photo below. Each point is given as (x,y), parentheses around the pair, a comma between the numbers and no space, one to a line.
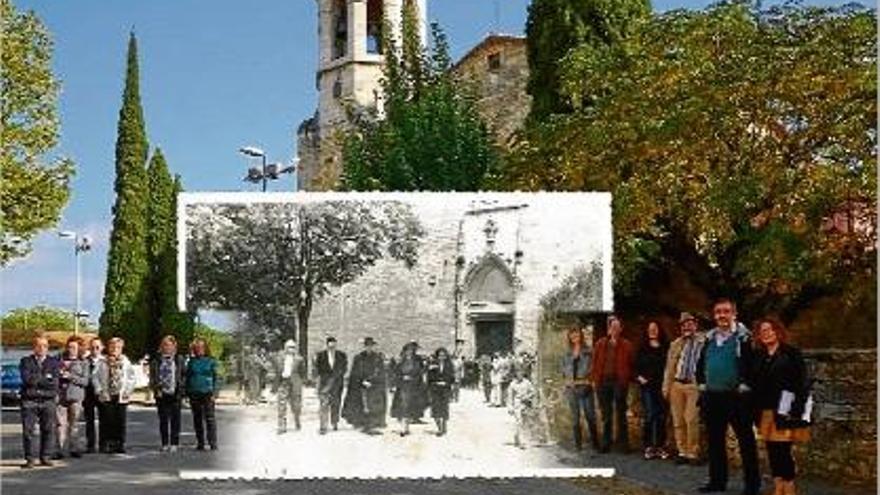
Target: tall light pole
(267,171)
(81,244)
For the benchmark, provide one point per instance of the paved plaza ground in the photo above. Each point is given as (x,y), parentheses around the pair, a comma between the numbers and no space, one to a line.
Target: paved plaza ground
(478,445)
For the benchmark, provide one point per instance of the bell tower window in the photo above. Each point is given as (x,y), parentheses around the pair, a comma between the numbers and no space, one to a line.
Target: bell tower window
(340,29)
(375,19)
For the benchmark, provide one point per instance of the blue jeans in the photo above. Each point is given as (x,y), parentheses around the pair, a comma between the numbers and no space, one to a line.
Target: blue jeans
(612,401)
(653,417)
(580,401)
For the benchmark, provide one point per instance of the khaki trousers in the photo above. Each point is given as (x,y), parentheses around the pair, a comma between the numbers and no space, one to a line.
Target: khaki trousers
(685,418)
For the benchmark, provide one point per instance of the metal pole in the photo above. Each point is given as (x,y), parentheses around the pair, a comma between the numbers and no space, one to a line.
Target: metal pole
(76,251)
(264,172)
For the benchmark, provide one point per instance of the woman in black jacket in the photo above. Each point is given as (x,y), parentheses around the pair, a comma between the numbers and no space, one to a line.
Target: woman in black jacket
(441,378)
(407,404)
(650,364)
(167,381)
(780,371)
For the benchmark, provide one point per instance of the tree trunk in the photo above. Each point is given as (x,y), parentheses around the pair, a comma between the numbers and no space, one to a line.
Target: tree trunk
(302,315)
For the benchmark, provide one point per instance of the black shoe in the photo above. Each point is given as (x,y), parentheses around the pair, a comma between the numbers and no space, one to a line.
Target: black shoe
(214,447)
(46,462)
(28,464)
(335,427)
(710,488)
(75,455)
(681,460)
(200,447)
(119,450)
(57,456)
(322,431)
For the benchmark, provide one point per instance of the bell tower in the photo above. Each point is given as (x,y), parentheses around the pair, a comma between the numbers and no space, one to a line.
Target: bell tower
(350,63)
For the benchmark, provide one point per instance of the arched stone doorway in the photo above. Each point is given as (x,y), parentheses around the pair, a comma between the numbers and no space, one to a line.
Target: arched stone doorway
(490,297)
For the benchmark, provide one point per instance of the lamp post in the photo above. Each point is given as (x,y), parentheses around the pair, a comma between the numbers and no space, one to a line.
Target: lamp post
(267,171)
(81,244)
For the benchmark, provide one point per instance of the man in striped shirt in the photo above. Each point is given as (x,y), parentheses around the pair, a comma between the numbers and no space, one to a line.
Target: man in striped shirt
(680,389)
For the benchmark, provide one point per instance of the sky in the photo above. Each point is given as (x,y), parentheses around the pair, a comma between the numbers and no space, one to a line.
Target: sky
(215,75)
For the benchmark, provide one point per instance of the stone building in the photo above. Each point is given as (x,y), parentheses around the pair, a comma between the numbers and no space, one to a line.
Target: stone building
(497,71)
(350,62)
(485,263)
(349,71)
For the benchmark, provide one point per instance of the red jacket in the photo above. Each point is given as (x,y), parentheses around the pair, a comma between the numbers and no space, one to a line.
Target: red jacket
(622,362)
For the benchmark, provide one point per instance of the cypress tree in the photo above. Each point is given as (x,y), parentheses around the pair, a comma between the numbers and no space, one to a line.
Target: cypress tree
(554,27)
(171,320)
(160,217)
(125,312)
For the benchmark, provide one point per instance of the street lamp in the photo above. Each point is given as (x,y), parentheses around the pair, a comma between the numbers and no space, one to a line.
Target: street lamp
(268,171)
(81,244)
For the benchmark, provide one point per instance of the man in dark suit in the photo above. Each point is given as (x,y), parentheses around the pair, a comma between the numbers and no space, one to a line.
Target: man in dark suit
(330,367)
(40,374)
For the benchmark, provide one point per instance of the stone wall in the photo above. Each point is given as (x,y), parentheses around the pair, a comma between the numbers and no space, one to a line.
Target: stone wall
(554,234)
(844,443)
(497,71)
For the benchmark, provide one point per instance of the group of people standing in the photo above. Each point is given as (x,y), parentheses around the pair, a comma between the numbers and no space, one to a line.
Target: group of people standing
(418,383)
(86,382)
(726,376)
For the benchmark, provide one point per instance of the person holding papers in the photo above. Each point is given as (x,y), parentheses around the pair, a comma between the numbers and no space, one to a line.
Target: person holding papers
(781,398)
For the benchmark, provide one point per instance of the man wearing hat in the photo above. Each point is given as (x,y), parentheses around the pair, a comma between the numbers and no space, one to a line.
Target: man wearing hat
(680,388)
(330,367)
(366,398)
(290,371)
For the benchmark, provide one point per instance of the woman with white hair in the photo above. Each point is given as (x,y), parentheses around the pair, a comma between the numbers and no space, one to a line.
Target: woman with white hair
(290,373)
(115,382)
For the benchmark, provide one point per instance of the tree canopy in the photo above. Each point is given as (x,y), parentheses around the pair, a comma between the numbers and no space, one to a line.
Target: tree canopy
(290,254)
(33,188)
(429,135)
(20,325)
(555,27)
(731,139)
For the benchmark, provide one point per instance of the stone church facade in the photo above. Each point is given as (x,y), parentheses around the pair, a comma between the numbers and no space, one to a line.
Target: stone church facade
(485,263)
(349,72)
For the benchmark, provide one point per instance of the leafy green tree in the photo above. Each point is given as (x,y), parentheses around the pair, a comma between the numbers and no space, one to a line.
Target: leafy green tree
(33,190)
(555,27)
(162,251)
(429,136)
(180,323)
(21,324)
(290,254)
(126,306)
(732,139)
(219,342)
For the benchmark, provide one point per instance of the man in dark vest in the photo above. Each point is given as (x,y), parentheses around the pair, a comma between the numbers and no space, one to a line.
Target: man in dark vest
(330,367)
(366,400)
(40,374)
(724,379)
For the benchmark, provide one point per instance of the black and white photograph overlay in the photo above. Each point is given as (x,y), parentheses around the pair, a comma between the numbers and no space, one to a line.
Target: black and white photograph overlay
(398,334)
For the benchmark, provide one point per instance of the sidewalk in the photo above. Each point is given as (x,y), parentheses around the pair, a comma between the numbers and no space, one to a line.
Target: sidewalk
(667,478)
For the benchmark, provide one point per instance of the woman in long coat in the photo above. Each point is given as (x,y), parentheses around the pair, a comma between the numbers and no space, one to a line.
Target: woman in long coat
(441,380)
(408,402)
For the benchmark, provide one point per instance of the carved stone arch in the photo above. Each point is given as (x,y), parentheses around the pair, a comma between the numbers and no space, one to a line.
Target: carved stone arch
(490,280)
